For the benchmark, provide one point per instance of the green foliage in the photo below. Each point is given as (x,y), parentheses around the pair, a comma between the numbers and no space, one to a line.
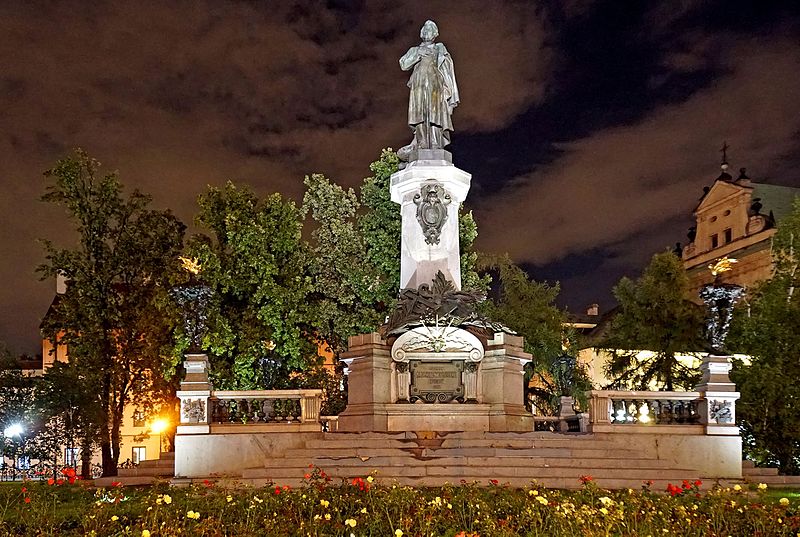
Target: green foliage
(257,267)
(345,289)
(654,315)
(115,316)
(766,326)
(528,307)
(381,227)
(358,507)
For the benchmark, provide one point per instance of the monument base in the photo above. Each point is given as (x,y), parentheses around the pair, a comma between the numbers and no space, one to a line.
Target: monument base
(372,393)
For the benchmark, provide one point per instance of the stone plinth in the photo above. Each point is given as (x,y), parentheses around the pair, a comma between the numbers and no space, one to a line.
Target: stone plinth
(718,396)
(375,401)
(422,257)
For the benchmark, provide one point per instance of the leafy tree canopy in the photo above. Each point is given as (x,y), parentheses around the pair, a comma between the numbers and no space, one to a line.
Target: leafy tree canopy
(766,327)
(115,316)
(654,315)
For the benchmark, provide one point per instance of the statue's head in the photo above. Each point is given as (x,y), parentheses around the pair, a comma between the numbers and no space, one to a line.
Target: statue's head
(429,31)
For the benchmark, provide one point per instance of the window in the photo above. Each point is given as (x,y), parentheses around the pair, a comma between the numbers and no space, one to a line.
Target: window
(70,456)
(138,454)
(24,463)
(714,240)
(728,235)
(138,419)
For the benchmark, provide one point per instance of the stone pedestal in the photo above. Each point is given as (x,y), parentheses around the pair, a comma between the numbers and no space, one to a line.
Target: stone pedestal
(377,397)
(194,395)
(424,249)
(718,396)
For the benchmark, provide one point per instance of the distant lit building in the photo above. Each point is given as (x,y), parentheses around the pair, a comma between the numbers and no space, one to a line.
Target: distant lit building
(735,218)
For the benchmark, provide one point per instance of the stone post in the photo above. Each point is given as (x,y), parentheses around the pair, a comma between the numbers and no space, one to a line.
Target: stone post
(500,383)
(718,396)
(429,191)
(195,396)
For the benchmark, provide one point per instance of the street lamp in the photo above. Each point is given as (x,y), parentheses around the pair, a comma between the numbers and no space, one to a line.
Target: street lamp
(15,429)
(157,427)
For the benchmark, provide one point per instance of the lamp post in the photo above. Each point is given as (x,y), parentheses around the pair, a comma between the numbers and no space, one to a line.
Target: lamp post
(12,430)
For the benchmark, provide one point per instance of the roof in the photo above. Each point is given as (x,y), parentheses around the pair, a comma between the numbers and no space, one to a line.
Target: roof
(775,198)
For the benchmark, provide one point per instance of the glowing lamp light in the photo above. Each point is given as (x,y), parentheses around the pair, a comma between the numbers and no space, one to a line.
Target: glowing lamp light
(159,426)
(15,429)
(644,413)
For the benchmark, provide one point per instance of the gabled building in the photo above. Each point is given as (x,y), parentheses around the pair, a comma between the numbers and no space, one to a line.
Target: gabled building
(735,218)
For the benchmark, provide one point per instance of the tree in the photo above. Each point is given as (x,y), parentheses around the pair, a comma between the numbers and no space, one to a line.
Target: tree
(528,307)
(654,315)
(115,315)
(766,326)
(256,264)
(346,291)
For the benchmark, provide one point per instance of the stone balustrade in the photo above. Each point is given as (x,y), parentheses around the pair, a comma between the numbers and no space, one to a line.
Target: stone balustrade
(644,407)
(265,406)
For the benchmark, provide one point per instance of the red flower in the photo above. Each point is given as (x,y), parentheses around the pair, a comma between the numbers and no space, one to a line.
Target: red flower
(494,482)
(277,490)
(116,483)
(674,490)
(698,483)
(27,499)
(584,479)
(286,487)
(60,482)
(208,483)
(51,481)
(72,479)
(686,484)
(68,472)
(307,476)
(24,489)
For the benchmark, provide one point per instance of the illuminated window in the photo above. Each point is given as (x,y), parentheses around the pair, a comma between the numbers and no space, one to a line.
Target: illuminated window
(24,463)
(138,454)
(138,419)
(714,240)
(728,235)
(70,456)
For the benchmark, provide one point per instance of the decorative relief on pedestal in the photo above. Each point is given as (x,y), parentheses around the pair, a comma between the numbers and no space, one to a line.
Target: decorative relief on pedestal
(193,411)
(720,411)
(437,339)
(432,202)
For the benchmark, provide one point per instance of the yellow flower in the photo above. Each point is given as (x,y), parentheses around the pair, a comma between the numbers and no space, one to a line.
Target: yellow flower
(158,500)
(737,488)
(533,492)
(605,500)
(350,522)
(449,505)
(327,516)
(784,501)
(167,499)
(114,518)
(762,486)
(229,498)
(193,515)
(370,479)
(324,503)
(363,510)
(603,510)
(398,533)
(542,500)
(145,533)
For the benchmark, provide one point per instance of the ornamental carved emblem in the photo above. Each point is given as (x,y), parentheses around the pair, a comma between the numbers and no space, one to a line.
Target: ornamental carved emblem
(432,202)
(193,410)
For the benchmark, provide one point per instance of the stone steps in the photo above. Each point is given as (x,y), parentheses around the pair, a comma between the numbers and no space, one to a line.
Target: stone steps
(421,453)
(324,461)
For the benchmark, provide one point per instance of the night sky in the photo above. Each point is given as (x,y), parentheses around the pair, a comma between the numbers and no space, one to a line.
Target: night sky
(590,128)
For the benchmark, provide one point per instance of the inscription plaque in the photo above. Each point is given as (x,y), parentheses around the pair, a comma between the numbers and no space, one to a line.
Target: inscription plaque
(436,382)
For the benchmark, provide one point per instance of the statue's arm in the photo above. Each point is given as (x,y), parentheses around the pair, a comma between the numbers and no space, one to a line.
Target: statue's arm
(409,59)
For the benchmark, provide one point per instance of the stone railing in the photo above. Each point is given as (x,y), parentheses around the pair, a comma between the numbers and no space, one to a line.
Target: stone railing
(644,408)
(265,406)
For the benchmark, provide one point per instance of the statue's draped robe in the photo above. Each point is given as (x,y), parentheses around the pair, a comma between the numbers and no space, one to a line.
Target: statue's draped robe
(434,94)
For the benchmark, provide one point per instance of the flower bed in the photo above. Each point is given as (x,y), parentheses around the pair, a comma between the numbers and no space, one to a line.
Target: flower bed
(365,507)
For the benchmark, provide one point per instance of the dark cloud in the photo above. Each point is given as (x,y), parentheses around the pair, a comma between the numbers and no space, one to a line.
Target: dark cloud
(590,127)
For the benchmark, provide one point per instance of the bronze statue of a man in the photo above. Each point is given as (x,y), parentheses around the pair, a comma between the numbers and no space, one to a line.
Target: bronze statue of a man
(434,93)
